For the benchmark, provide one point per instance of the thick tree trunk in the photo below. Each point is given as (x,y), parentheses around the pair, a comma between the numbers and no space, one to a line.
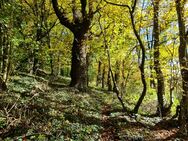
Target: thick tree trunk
(79,63)
(79,26)
(157,67)
(183,59)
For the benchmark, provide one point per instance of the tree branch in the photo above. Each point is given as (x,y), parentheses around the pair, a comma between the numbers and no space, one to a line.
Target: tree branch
(83,7)
(121,5)
(134,6)
(62,17)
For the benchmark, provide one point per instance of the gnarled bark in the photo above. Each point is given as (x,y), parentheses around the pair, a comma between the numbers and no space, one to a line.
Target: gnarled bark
(79,64)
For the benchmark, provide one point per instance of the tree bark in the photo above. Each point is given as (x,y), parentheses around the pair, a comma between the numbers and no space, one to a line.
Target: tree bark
(183,59)
(157,66)
(79,64)
(79,26)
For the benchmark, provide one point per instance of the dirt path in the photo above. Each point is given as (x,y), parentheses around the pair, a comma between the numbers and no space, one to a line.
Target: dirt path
(109,132)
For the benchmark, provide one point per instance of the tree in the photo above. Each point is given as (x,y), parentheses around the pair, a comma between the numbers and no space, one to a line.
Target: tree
(183,59)
(79,26)
(42,24)
(157,66)
(142,47)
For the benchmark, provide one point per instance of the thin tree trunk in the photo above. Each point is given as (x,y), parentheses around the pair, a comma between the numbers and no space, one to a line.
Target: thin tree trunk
(87,64)
(150,47)
(50,54)
(3,86)
(1,46)
(103,76)
(109,80)
(99,74)
(125,78)
(117,73)
(157,67)
(6,48)
(142,64)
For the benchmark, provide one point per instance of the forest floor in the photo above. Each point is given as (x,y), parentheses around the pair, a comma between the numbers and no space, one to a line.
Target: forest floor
(34,110)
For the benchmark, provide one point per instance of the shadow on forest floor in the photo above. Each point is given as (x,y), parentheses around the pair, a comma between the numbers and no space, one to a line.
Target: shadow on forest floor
(36,111)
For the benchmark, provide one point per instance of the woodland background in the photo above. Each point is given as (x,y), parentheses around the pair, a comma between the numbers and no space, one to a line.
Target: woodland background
(93,70)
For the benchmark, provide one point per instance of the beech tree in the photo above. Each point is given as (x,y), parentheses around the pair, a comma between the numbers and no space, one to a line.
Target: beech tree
(79,26)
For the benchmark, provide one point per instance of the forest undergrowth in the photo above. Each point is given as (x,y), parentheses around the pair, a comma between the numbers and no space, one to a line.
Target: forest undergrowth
(35,110)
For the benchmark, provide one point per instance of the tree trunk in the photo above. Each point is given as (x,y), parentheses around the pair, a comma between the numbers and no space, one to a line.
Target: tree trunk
(142,64)
(109,81)
(150,47)
(5,56)
(3,86)
(103,76)
(183,59)
(79,63)
(87,66)
(117,73)
(1,46)
(99,75)
(79,26)
(157,67)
